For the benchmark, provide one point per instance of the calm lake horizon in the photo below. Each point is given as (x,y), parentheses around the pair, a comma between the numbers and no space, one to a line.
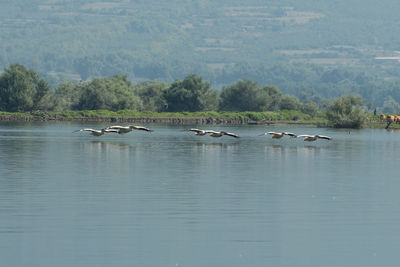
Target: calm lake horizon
(171,198)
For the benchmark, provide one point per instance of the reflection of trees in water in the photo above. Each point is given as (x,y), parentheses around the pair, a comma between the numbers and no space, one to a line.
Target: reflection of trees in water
(290,151)
(109,146)
(212,151)
(101,152)
(21,167)
(18,155)
(393,131)
(216,145)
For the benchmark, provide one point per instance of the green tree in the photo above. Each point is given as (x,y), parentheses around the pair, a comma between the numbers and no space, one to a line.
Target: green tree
(244,95)
(310,108)
(115,93)
(290,102)
(347,111)
(47,102)
(122,94)
(191,94)
(274,97)
(152,95)
(67,95)
(21,89)
(94,95)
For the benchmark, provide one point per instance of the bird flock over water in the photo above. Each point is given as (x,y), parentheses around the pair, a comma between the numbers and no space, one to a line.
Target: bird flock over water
(200,132)
(114,129)
(306,137)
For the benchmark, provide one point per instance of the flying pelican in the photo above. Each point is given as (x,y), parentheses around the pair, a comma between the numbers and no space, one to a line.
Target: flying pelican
(221,133)
(92,131)
(231,134)
(311,138)
(127,129)
(279,135)
(198,131)
(106,130)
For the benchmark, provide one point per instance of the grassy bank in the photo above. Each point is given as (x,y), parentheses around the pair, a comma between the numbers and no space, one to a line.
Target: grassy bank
(210,117)
(284,116)
(375,122)
(248,116)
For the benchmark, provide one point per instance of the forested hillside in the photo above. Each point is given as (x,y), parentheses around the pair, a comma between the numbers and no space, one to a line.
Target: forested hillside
(308,48)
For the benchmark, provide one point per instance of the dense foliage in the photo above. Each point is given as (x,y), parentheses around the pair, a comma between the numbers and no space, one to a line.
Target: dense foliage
(191,94)
(115,93)
(246,95)
(347,112)
(22,89)
(308,48)
(152,95)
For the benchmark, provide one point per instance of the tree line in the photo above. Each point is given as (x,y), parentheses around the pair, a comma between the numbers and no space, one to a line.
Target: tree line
(22,90)
(135,39)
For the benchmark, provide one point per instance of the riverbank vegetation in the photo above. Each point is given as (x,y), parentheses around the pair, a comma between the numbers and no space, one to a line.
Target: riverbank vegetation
(25,94)
(246,117)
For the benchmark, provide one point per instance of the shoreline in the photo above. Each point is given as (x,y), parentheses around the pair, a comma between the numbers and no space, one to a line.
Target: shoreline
(239,119)
(162,120)
(188,121)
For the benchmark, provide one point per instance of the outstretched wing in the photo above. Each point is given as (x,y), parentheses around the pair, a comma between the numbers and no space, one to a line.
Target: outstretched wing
(85,129)
(231,134)
(141,128)
(116,127)
(324,137)
(290,134)
(111,130)
(304,136)
(195,130)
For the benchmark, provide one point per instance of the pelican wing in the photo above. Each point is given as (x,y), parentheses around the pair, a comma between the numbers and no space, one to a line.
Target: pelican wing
(111,130)
(195,130)
(231,134)
(92,131)
(272,133)
(304,136)
(117,127)
(324,137)
(86,129)
(141,128)
(290,134)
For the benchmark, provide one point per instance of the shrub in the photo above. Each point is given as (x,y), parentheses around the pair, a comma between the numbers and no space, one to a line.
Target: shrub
(347,112)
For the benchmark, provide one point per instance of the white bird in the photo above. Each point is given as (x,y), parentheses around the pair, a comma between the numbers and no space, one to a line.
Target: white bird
(221,133)
(127,129)
(231,134)
(198,131)
(106,130)
(93,131)
(311,138)
(276,135)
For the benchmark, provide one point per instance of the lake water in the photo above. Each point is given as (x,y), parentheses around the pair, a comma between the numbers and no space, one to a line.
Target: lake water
(170,198)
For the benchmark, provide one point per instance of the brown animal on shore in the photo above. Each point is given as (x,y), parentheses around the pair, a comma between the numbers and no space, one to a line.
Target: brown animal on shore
(397,119)
(389,120)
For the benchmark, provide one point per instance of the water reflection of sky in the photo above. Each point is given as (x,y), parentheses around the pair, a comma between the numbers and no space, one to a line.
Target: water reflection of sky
(170,197)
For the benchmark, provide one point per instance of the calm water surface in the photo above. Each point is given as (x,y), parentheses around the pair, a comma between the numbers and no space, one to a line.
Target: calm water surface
(169,198)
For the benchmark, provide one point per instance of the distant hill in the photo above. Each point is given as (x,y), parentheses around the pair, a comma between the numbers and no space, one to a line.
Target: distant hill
(222,40)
